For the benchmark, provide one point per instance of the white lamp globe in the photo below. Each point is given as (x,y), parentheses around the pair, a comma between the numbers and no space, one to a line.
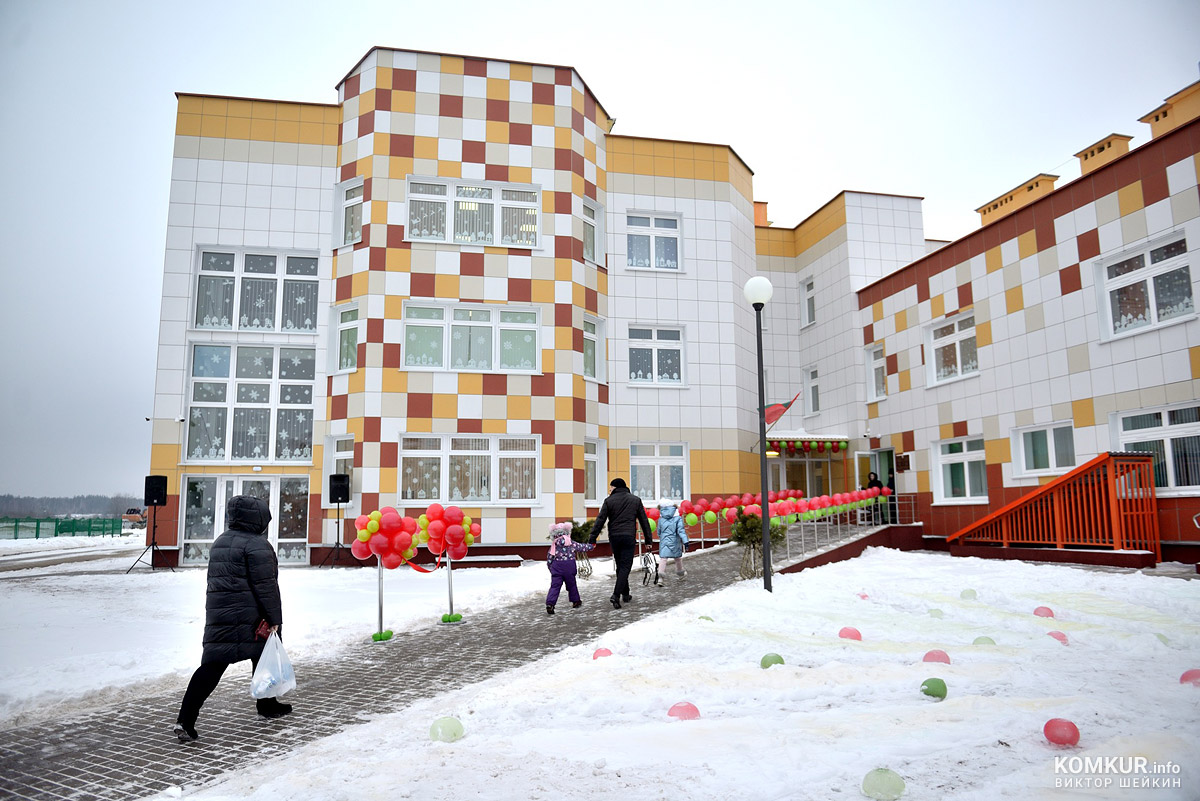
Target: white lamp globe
(758,290)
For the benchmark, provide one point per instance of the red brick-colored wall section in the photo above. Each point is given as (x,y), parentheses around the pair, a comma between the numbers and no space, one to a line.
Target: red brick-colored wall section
(1175,519)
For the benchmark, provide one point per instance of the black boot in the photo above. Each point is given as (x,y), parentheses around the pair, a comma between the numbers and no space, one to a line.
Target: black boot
(185,732)
(549,609)
(576,604)
(616,602)
(271,708)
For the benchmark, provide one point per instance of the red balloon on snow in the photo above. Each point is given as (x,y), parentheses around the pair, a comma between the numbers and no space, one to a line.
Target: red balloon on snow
(850,633)
(936,655)
(1061,731)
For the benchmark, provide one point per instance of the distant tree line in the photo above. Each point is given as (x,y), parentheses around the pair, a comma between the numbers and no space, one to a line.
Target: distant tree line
(27,506)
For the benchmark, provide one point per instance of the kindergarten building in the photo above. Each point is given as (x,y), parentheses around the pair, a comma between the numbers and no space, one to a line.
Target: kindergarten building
(458,284)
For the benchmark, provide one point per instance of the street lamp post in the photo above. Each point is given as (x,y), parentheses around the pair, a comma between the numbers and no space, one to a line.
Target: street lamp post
(758,291)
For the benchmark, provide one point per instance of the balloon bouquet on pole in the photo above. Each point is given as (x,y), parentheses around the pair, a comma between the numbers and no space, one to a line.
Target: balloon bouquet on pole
(394,539)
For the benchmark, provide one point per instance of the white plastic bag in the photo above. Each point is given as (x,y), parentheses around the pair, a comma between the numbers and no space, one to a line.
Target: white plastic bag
(274,675)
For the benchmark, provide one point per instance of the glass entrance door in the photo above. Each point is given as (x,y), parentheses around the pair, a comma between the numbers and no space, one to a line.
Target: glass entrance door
(204,513)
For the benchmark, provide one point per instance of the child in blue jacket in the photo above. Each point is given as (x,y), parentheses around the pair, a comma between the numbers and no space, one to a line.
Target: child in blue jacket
(561,561)
(672,540)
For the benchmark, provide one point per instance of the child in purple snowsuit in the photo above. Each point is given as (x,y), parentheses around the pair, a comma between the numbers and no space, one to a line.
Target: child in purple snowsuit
(561,561)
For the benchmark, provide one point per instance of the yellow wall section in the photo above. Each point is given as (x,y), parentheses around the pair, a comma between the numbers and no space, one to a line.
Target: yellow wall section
(669,159)
(259,120)
(790,243)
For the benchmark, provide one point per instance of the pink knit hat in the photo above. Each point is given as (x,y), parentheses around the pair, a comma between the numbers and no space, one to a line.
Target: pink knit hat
(557,532)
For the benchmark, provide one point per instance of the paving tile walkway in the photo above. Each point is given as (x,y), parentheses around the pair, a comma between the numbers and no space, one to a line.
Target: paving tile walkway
(127,750)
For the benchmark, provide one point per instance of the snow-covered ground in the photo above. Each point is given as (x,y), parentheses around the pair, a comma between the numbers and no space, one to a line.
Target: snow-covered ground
(569,726)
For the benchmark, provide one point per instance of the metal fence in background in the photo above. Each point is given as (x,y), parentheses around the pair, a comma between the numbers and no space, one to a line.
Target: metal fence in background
(21,528)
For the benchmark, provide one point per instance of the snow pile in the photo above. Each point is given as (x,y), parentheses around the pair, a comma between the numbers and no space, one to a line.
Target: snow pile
(569,726)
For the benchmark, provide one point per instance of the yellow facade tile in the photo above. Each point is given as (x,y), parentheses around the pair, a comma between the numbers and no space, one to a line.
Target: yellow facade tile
(424,425)
(164,456)
(358,285)
(518,405)
(562,337)
(312,133)
(1194,354)
(445,286)
(188,124)
(543,115)
(542,291)
(239,108)
(394,381)
(449,169)
(620,162)
(404,102)
(946,431)
(283,111)
(721,171)
(937,306)
(993,260)
(1083,412)
(387,479)
(983,334)
(1129,198)
(497,131)
(330,135)
(923,481)
(445,405)
(901,320)
(425,147)
(520,72)
(1027,244)
(520,175)
(997,451)
(643,147)
(453,65)
(287,131)
(262,130)
(497,89)
(619,144)
(516,529)
(213,126)
(495,426)
(564,408)
(563,270)
(905,380)
(262,109)
(1014,299)
(470,384)
(190,104)
(877,311)
(577,184)
(357,381)
(872,411)
(217,106)
(664,166)
(705,171)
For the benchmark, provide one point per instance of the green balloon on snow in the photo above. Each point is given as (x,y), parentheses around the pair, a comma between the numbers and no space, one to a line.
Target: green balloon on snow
(984,641)
(770,659)
(446,730)
(934,688)
(968,595)
(882,785)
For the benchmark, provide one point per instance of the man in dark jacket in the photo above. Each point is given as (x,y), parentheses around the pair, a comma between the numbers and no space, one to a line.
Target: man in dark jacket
(243,592)
(623,511)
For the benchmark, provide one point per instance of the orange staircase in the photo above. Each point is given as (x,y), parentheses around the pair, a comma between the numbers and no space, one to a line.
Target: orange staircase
(1107,503)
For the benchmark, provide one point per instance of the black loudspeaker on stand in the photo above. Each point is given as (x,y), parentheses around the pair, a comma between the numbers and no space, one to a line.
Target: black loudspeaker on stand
(339,493)
(154,497)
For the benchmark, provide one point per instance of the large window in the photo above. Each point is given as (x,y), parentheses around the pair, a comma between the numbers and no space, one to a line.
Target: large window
(256,292)
(652,242)
(347,339)
(593,232)
(808,304)
(471,338)
(953,344)
(593,349)
(960,471)
(1045,450)
(348,212)
(204,499)
(656,356)
(658,470)
(876,373)
(251,403)
(1172,436)
(1150,287)
(473,213)
(474,470)
(812,390)
(593,469)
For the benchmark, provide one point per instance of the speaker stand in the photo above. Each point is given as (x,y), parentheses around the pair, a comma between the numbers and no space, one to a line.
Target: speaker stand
(337,545)
(152,548)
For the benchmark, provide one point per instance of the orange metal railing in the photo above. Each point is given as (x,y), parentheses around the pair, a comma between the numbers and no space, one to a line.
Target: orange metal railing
(1108,502)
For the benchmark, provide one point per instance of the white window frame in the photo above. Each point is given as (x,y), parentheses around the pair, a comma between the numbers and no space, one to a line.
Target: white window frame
(658,455)
(812,390)
(596,454)
(658,226)
(499,327)
(446,448)
(808,301)
(500,197)
(1145,274)
(968,455)
(291,267)
(1053,468)
(346,196)
(600,345)
(274,405)
(956,338)
(596,223)
(1167,432)
(334,459)
(339,325)
(658,343)
(876,361)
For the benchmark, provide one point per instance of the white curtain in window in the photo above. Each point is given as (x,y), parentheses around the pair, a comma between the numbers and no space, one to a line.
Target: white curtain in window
(637,252)
(669,369)
(258,303)
(518,226)
(517,478)
(214,302)
(1173,294)
(423,345)
(471,347)
(518,349)
(293,435)
(641,477)
(206,433)
(470,477)
(426,219)
(348,349)
(666,252)
(473,222)
(251,434)
(641,364)
(299,305)
(670,478)
(420,479)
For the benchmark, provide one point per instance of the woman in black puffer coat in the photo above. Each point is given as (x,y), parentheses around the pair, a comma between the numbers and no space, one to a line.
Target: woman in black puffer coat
(243,591)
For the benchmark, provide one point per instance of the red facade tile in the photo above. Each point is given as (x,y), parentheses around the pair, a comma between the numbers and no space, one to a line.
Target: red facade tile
(562,159)
(589,189)
(544,429)
(543,93)
(495,385)
(1089,244)
(576,121)
(350,88)
(496,172)
(470,426)
(383,100)
(564,455)
(475,67)
(868,333)
(908,441)
(966,296)
(400,145)
(391,355)
(338,407)
(520,290)
(579,409)
(922,291)
(893,364)
(1069,279)
(562,76)
(474,152)
(542,386)
(377,259)
(520,133)
(450,106)
(1044,228)
(577,163)
(347,171)
(563,314)
(497,110)
(589,107)
(371,427)
(590,299)
(343,287)
(602,393)
(1154,187)
(366,123)
(960,428)
(562,201)
(375,330)
(389,454)
(564,247)
(404,80)
(875,443)
(470,264)
(422,285)
(395,238)
(420,404)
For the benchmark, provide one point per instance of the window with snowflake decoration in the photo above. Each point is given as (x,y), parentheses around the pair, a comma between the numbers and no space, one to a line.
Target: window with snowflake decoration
(955,354)
(293,519)
(473,212)
(471,345)
(658,470)
(348,212)
(1148,287)
(656,356)
(469,470)
(652,242)
(266,299)
(479,338)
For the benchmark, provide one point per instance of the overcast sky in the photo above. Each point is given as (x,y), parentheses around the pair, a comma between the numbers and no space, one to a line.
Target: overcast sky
(955,102)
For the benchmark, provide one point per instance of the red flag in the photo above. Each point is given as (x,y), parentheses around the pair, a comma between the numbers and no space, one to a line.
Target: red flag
(774,411)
